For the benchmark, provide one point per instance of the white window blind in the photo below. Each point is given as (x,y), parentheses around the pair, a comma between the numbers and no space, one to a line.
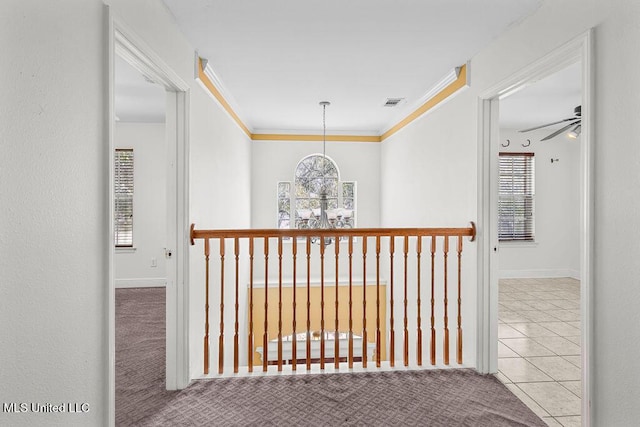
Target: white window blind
(123,190)
(516,197)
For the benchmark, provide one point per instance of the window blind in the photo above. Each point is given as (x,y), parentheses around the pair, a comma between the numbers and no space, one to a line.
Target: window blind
(123,190)
(516,197)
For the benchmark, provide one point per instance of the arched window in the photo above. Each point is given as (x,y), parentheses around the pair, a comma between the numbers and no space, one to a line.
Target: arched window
(313,174)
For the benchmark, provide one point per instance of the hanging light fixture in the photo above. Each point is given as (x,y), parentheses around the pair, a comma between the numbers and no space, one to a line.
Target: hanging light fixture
(324,218)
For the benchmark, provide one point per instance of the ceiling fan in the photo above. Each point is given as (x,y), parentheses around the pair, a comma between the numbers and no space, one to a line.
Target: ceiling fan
(573,122)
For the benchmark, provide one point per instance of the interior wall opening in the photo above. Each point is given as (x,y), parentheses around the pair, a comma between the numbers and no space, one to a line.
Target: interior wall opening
(141,145)
(171,172)
(539,319)
(576,51)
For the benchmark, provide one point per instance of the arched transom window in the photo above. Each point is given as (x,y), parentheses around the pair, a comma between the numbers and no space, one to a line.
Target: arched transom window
(313,174)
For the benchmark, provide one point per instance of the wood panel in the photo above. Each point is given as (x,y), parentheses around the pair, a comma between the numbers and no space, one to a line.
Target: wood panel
(329,298)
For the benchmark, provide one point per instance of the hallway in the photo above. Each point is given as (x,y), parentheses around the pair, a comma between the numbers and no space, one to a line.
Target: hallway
(439,397)
(539,346)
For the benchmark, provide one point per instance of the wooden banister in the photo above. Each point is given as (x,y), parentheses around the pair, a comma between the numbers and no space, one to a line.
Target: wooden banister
(342,232)
(275,314)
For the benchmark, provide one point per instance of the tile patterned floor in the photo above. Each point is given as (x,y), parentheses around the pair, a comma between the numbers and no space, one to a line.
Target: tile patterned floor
(539,346)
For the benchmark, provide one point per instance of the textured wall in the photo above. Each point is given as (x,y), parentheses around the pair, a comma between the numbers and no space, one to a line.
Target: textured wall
(616,293)
(53,211)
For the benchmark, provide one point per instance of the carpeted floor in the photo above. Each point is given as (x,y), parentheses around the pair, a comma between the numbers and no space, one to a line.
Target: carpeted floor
(420,398)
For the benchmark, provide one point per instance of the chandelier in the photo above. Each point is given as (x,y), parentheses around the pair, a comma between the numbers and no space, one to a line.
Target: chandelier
(323,217)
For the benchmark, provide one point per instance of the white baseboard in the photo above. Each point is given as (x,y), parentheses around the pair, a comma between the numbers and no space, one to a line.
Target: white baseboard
(539,274)
(141,283)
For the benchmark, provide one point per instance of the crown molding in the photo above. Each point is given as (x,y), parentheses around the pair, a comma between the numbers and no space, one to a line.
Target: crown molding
(217,94)
(450,84)
(308,137)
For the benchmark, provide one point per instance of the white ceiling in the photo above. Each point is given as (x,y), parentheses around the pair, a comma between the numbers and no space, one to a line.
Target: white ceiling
(276,59)
(136,98)
(548,100)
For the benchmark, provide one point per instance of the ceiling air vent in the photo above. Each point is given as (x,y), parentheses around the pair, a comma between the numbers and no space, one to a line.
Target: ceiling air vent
(392,102)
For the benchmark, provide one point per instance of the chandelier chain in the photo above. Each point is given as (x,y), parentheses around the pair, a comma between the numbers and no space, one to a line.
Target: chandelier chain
(324,143)
(324,130)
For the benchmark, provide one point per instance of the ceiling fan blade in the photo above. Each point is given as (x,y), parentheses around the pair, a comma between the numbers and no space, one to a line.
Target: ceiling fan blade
(559,131)
(548,124)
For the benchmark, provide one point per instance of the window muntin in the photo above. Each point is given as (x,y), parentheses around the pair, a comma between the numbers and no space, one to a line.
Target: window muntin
(123,197)
(516,193)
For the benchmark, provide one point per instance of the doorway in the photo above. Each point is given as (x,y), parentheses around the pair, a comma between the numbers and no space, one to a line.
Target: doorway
(575,51)
(140,179)
(126,45)
(539,245)
(140,191)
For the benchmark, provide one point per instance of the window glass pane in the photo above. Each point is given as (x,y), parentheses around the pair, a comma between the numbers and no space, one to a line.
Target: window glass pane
(301,191)
(315,175)
(303,204)
(284,204)
(284,189)
(348,189)
(347,203)
(123,197)
(348,192)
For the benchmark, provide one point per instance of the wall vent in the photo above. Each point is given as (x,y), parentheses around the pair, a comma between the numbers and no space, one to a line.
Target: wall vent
(392,102)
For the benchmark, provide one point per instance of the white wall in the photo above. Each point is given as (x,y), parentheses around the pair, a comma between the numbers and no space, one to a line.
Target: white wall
(220,198)
(134,268)
(451,133)
(429,180)
(274,161)
(556,251)
(616,295)
(53,209)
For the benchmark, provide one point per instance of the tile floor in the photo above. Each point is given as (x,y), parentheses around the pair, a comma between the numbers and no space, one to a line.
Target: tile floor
(539,346)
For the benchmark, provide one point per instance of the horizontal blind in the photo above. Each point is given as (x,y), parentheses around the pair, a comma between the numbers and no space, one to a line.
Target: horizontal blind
(123,190)
(516,197)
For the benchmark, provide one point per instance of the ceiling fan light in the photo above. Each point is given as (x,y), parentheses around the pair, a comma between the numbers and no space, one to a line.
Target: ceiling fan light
(575,132)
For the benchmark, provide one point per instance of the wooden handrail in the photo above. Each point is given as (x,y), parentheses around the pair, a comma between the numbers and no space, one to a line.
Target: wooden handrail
(342,232)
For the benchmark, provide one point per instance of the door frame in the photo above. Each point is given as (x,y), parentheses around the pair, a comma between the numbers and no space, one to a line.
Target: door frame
(124,42)
(580,49)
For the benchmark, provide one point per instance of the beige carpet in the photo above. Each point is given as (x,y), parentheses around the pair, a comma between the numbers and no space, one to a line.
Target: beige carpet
(413,398)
